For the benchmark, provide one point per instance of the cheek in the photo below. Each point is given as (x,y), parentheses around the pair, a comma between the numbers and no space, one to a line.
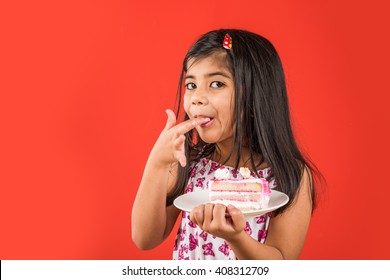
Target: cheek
(186,103)
(229,113)
(230,120)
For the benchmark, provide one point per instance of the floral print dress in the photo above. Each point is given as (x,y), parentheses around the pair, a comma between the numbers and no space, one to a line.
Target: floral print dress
(191,242)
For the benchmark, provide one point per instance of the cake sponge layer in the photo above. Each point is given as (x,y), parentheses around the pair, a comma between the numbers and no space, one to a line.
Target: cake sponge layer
(246,194)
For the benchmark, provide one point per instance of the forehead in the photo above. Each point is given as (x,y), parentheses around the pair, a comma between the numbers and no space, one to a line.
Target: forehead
(212,62)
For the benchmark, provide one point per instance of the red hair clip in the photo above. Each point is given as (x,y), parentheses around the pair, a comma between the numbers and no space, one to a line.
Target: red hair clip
(227,42)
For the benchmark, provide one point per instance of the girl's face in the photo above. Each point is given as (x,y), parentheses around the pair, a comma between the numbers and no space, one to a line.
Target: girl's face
(210,93)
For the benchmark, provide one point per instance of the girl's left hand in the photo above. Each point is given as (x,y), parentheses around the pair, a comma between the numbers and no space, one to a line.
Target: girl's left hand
(219,220)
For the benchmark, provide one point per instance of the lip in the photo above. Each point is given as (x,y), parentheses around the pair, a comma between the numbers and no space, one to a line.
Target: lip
(207,124)
(202,116)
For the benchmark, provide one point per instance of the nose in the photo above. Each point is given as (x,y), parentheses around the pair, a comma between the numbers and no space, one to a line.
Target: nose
(199,97)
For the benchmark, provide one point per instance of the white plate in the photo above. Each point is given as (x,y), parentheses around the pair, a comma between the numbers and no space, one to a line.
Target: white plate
(188,201)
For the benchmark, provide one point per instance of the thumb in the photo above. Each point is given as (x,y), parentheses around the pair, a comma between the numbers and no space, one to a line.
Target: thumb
(237,217)
(171,121)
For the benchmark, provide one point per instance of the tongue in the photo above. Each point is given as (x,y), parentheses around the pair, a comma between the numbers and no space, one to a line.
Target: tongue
(208,123)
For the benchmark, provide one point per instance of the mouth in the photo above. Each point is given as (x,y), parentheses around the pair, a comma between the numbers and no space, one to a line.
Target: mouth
(207,124)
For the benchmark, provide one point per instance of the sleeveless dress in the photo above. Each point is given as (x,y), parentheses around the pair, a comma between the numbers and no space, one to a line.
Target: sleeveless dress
(191,242)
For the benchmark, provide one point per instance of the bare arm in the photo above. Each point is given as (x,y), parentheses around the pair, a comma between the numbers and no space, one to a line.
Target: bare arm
(286,235)
(152,221)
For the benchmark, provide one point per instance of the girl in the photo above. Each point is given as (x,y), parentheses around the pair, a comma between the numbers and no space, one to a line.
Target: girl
(236,115)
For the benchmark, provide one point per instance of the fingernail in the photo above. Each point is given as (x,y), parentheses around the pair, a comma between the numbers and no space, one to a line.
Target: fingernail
(230,207)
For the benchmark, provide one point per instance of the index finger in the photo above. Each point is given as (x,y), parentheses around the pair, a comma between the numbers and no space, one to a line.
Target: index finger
(188,125)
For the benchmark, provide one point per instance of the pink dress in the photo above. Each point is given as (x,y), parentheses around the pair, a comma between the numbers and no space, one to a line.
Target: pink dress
(194,244)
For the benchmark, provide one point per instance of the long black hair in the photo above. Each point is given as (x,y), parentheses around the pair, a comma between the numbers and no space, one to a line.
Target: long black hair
(261,104)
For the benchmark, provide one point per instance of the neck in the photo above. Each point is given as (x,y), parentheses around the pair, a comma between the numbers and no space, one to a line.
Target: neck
(222,152)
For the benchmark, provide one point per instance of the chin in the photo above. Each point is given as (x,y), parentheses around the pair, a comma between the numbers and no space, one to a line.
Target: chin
(208,139)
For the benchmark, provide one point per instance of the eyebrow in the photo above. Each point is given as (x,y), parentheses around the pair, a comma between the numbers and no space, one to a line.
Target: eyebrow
(223,74)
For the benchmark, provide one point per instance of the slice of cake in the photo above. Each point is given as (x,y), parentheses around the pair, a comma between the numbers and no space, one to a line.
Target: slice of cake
(246,194)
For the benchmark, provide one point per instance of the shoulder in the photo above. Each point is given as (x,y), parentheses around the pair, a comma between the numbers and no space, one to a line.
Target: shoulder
(305,189)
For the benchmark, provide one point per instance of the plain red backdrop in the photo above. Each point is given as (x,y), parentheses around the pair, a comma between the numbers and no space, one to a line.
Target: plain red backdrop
(84,86)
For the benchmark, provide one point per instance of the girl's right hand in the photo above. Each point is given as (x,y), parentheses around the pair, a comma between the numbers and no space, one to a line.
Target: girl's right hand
(169,147)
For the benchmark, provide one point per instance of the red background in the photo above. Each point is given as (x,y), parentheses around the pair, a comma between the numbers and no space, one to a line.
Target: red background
(84,86)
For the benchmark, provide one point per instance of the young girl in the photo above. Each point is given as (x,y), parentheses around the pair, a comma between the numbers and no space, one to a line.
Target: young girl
(236,115)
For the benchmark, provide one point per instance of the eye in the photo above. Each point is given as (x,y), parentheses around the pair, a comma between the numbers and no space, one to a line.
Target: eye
(190,86)
(217,84)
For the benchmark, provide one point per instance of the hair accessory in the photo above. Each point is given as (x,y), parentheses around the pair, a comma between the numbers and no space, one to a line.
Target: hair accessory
(227,42)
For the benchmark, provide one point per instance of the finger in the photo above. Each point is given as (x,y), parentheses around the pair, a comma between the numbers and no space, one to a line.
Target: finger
(208,215)
(237,217)
(181,158)
(178,144)
(219,212)
(188,125)
(179,147)
(171,120)
(196,215)
(183,161)
(219,219)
